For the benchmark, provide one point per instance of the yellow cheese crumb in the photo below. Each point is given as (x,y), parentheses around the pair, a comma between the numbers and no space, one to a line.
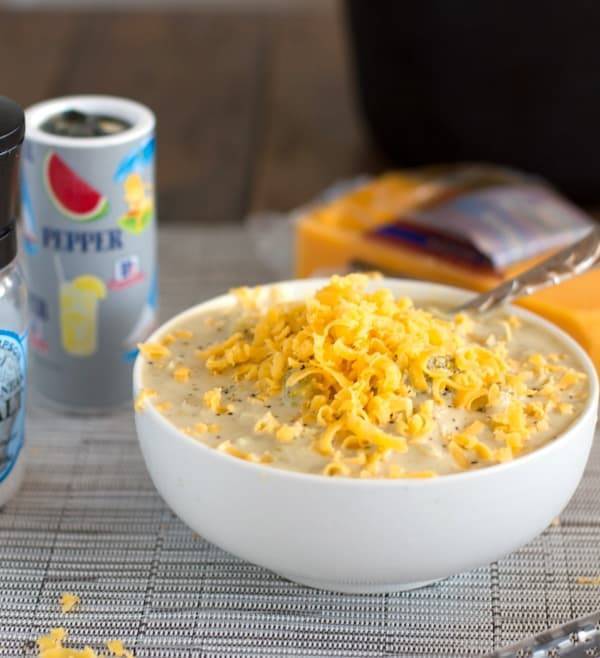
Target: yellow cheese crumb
(267,424)
(397,472)
(588,580)
(51,646)
(474,428)
(287,433)
(117,648)
(459,455)
(267,458)
(503,454)
(212,399)
(234,451)
(153,351)
(483,451)
(565,408)
(336,469)
(200,428)
(54,639)
(182,374)
(183,334)
(542,425)
(144,395)
(570,378)
(68,601)
(167,340)
(247,297)
(163,406)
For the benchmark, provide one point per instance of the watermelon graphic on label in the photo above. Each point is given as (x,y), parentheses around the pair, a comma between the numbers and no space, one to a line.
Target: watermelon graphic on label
(72,196)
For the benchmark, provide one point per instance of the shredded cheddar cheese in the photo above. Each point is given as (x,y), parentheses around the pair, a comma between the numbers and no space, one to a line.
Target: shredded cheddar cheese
(287,433)
(182,374)
(68,601)
(117,649)
(234,451)
(51,645)
(154,350)
(143,396)
(397,472)
(167,340)
(268,424)
(370,385)
(366,356)
(212,399)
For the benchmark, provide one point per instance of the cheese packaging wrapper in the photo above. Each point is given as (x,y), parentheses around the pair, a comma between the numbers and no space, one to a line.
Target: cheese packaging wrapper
(493,227)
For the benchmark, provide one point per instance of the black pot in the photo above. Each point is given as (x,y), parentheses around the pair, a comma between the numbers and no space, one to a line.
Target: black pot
(514,82)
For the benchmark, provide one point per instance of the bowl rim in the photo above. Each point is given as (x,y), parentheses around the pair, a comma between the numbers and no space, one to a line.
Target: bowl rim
(261,470)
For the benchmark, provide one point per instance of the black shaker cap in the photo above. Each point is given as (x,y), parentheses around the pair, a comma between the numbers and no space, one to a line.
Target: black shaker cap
(12,131)
(12,125)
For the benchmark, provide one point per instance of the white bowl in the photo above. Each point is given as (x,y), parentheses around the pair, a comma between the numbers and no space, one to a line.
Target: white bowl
(352,535)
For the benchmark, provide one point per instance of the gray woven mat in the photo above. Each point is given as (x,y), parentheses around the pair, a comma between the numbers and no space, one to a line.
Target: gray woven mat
(89,521)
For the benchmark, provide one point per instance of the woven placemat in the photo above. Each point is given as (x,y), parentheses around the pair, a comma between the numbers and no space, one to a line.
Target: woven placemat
(88,520)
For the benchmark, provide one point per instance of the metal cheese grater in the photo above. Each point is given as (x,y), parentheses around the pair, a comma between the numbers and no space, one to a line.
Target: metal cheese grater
(576,639)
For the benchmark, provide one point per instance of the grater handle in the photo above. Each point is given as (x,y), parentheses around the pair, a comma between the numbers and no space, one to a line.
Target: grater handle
(576,639)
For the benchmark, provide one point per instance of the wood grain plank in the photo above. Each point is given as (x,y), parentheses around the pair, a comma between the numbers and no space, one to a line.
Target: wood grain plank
(312,134)
(196,69)
(35,50)
(255,109)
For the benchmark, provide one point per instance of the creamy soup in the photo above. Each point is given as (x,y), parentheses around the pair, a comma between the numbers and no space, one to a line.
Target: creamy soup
(354,382)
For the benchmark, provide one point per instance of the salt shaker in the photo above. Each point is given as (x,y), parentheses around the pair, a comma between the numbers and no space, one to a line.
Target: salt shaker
(13,303)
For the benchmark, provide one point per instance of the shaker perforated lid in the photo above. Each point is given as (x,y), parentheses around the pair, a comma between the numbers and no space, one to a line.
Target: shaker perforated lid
(12,131)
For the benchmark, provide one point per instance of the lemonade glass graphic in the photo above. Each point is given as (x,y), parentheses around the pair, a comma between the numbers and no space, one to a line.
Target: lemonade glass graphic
(79,314)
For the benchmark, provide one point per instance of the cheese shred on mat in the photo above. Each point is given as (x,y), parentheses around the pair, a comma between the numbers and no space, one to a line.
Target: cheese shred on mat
(68,602)
(52,644)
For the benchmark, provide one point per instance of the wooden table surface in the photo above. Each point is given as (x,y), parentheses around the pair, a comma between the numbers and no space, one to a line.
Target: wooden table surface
(255,109)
